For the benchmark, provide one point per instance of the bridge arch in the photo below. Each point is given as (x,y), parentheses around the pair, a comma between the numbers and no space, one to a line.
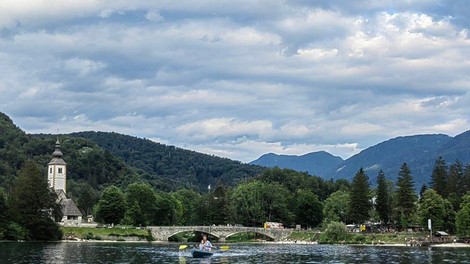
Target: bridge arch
(193,230)
(259,233)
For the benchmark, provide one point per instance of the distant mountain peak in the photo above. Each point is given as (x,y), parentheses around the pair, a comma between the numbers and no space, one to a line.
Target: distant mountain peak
(315,163)
(418,151)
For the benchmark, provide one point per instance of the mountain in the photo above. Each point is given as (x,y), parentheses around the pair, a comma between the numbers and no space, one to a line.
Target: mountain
(168,167)
(99,159)
(315,163)
(419,152)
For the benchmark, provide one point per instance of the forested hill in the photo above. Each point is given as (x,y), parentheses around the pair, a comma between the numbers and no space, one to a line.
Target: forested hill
(171,167)
(87,162)
(316,163)
(99,159)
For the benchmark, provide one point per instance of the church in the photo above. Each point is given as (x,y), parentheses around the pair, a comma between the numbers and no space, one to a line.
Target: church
(57,179)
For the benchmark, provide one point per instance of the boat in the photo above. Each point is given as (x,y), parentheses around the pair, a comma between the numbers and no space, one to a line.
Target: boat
(201,253)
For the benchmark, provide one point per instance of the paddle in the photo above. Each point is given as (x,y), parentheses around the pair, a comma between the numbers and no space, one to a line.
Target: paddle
(221,247)
(183,247)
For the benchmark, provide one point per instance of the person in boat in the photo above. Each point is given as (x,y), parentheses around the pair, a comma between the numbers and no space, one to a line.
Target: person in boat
(205,244)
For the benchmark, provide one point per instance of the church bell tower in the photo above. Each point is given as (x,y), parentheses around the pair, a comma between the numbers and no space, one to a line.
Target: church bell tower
(57,170)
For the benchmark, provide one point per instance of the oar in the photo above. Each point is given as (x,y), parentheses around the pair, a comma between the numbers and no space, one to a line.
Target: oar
(221,247)
(224,247)
(183,247)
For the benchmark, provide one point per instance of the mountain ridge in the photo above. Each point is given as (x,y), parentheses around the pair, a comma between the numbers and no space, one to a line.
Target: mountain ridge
(418,151)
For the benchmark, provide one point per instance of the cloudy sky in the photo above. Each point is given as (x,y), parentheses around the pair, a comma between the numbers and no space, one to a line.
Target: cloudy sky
(242,78)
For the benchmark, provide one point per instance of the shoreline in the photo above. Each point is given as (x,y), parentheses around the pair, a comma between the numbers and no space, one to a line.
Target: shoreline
(299,242)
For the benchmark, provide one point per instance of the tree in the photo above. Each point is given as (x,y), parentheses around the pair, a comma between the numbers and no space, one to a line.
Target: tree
(462,221)
(141,204)
(112,206)
(218,205)
(246,203)
(422,190)
(189,200)
(465,182)
(383,201)
(169,210)
(406,196)
(33,204)
(439,177)
(455,183)
(433,206)
(308,209)
(4,216)
(85,196)
(359,198)
(334,233)
(256,202)
(336,207)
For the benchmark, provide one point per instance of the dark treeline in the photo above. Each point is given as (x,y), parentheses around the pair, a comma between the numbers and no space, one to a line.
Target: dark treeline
(169,168)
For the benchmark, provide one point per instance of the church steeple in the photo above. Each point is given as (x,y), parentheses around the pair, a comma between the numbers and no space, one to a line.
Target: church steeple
(57,169)
(57,153)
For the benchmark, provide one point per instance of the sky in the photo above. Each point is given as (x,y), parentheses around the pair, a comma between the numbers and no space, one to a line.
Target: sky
(238,79)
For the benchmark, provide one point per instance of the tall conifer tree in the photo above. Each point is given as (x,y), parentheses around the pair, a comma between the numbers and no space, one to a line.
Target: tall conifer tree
(439,177)
(383,206)
(406,196)
(33,204)
(359,203)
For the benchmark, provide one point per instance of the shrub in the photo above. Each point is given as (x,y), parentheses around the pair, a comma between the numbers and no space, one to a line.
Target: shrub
(334,233)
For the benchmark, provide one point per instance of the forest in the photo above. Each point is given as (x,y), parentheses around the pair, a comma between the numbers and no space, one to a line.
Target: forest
(104,184)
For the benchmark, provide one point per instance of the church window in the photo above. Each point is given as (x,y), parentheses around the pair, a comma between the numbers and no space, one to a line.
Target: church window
(50,170)
(60,170)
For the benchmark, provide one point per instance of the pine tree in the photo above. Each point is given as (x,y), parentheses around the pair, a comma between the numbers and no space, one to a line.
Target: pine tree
(406,196)
(422,190)
(359,203)
(33,204)
(439,177)
(465,182)
(383,203)
(455,184)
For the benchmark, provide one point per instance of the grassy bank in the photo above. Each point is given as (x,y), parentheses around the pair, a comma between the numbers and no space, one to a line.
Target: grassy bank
(115,233)
(308,236)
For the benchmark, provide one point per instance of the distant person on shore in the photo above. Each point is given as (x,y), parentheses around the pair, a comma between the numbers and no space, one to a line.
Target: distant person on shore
(205,244)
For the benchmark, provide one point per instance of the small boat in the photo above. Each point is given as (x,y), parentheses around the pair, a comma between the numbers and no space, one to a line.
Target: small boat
(201,253)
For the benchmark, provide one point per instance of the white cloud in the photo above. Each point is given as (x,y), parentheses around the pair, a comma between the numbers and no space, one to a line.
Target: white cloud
(154,15)
(237,79)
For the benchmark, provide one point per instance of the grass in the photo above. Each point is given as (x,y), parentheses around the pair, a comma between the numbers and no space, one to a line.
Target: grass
(99,233)
(357,238)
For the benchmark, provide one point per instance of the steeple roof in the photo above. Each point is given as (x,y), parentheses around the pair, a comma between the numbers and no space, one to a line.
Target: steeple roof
(57,155)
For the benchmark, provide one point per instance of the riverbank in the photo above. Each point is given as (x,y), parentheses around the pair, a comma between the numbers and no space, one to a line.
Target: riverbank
(120,234)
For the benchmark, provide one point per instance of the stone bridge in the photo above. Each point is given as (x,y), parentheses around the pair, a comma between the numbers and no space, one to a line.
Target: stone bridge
(162,233)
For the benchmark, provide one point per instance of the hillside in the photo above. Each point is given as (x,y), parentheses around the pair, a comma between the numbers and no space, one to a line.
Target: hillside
(99,159)
(419,152)
(86,161)
(168,167)
(315,163)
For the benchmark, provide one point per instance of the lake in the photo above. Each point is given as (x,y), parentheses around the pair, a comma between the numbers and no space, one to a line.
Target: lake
(88,252)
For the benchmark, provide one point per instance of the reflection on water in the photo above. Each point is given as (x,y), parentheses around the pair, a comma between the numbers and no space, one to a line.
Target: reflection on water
(13,252)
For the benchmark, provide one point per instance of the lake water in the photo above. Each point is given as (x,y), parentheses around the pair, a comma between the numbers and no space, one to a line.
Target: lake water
(25,252)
